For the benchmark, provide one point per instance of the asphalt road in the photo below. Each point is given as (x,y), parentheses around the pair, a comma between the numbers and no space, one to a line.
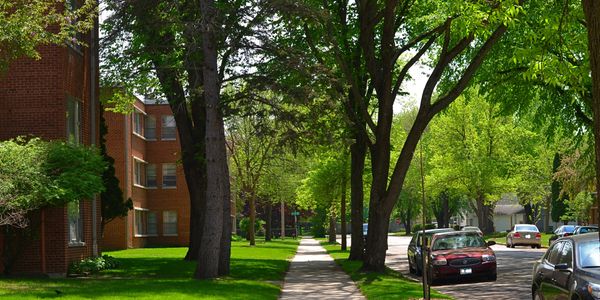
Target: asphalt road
(514,272)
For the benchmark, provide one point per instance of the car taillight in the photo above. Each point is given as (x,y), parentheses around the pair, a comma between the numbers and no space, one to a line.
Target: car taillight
(567,234)
(517,235)
(538,235)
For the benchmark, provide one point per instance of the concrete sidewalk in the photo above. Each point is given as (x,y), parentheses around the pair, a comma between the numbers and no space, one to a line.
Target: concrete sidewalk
(314,275)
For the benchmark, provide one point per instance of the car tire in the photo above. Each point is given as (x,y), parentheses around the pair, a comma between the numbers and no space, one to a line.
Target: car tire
(534,246)
(418,271)
(411,270)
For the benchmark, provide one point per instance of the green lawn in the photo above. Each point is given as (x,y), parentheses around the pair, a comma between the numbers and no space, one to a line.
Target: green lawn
(160,273)
(500,238)
(389,285)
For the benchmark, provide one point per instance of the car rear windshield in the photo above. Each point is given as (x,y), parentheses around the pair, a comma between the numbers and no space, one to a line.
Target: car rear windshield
(569,228)
(589,254)
(458,242)
(527,228)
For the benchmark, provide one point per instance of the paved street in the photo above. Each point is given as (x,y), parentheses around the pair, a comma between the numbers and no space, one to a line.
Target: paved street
(514,272)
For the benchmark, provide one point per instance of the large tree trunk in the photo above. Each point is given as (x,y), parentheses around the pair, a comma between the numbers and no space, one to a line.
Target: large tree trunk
(269,208)
(379,220)
(331,230)
(225,253)
(343,213)
(217,191)
(591,9)
(484,215)
(252,221)
(358,152)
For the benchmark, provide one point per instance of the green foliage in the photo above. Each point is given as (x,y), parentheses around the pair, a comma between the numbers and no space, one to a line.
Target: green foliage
(28,24)
(36,173)
(318,223)
(245,225)
(93,265)
(578,208)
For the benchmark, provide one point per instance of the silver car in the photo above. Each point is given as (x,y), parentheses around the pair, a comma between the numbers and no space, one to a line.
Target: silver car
(524,235)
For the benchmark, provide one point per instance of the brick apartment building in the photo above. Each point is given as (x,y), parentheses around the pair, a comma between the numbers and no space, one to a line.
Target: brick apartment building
(55,98)
(146,150)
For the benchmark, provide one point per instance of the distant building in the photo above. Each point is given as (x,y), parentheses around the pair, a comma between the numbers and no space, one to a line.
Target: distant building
(145,147)
(55,98)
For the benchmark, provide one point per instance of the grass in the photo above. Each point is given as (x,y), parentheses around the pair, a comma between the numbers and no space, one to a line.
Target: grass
(160,273)
(389,285)
(500,238)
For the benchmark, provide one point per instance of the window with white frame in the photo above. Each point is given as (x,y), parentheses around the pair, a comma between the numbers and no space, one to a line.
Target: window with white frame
(150,128)
(168,130)
(151,175)
(145,222)
(169,222)
(74,213)
(138,172)
(138,122)
(169,175)
(73,121)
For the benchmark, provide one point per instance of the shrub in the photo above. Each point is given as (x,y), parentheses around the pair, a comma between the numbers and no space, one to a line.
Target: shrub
(245,223)
(93,265)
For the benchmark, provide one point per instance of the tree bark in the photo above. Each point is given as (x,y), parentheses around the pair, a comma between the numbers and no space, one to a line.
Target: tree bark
(269,208)
(343,213)
(331,232)
(484,215)
(358,152)
(591,9)
(252,221)
(210,260)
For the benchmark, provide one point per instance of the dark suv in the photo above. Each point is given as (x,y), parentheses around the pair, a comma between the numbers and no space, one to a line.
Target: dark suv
(570,269)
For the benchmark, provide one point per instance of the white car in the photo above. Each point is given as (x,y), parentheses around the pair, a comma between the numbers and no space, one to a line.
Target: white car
(472,228)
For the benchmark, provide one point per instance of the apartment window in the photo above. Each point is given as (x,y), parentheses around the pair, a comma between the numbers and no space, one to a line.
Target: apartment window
(151,223)
(73,121)
(74,213)
(167,129)
(150,128)
(138,172)
(145,222)
(150,175)
(169,175)
(138,123)
(169,223)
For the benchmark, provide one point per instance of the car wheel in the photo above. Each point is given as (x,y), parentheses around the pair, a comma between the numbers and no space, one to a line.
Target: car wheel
(539,246)
(418,271)
(411,270)
(534,246)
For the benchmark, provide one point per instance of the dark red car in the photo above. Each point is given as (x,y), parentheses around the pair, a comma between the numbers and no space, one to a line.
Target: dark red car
(461,254)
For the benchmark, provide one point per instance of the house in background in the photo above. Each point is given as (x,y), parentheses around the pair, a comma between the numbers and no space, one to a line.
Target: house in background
(145,147)
(55,98)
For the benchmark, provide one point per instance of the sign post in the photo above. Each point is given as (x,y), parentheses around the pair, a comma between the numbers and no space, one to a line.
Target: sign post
(296,214)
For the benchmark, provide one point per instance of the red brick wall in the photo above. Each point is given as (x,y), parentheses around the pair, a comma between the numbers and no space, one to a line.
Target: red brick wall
(33,97)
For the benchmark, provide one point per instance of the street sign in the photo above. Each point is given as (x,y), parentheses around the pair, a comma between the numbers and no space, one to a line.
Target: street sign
(295,213)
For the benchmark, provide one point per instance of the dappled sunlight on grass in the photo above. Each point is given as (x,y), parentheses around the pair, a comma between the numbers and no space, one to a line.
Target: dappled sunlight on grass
(161,273)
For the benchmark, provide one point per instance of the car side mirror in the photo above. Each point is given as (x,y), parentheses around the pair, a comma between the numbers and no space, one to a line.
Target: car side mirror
(490,243)
(561,267)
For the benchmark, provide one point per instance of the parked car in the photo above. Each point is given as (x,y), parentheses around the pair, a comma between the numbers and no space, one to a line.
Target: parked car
(564,230)
(524,235)
(461,254)
(414,252)
(472,228)
(570,269)
(585,229)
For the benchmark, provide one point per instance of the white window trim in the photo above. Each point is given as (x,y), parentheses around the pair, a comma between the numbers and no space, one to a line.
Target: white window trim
(139,135)
(140,110)
(139,159)
(142,235)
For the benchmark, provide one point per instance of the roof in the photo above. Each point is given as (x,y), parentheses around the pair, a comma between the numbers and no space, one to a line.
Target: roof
(586,237)
(467,232)
(508,209)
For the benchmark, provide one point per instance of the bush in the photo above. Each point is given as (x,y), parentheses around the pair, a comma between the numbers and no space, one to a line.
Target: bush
(258,226)
(93,265)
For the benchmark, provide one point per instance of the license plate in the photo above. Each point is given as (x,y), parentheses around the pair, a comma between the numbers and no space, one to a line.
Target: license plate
(466,271)
(528,236)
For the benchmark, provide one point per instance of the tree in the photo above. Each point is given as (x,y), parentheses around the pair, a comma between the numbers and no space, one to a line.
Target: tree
(386,40)
(558,197)
(591,11)
(28,24)
(112,201)
(250,141)
(186,52)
